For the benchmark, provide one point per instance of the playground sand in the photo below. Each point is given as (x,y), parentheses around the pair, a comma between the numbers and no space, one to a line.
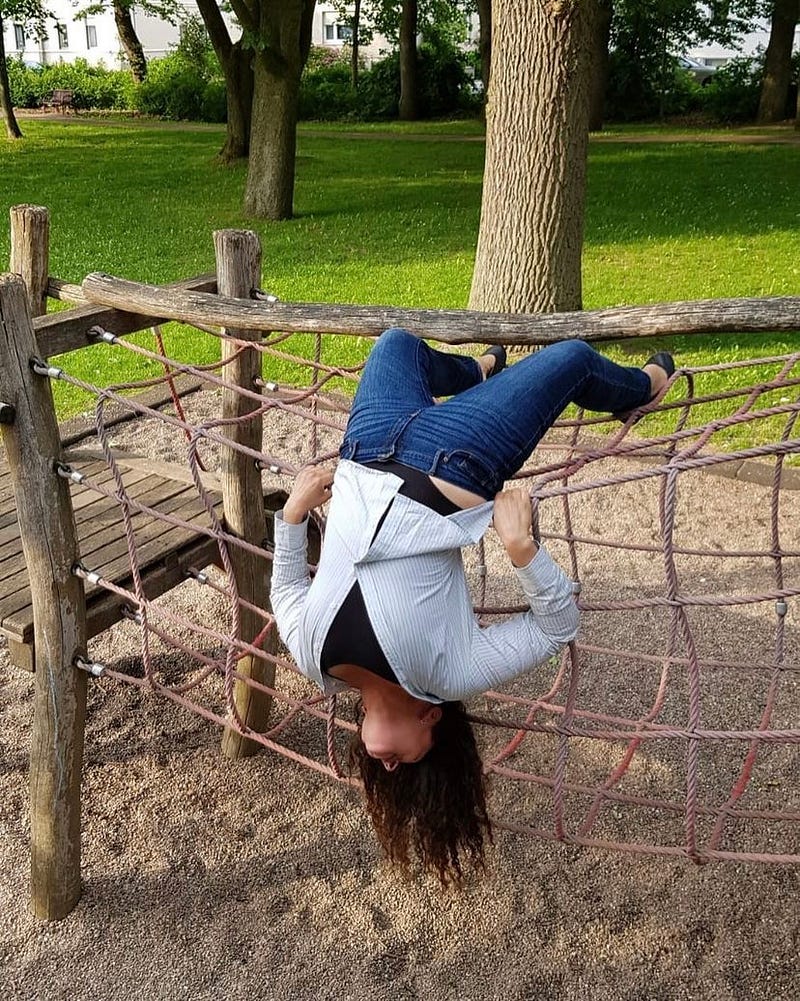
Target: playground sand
(210,879)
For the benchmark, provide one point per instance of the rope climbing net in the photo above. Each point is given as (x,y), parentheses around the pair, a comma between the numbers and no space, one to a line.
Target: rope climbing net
(670,727)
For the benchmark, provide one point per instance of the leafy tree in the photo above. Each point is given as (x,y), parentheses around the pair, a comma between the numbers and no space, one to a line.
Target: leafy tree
(236,60)
(32,15)
(166,10)
(778,61)
(279,34)
(646,35)
(440,22)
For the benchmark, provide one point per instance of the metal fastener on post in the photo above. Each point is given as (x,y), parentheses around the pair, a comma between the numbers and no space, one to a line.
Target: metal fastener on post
(98,334)
(68,473)
(90,667)
(40,367)
(781,608)
(8,413)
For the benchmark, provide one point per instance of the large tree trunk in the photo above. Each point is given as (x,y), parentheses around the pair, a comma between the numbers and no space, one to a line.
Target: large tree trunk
(237,68)
(285,37)
(601,32)
(778,62)
(130,40)
(408,62)
(13,131)
(531,229)
(485,41)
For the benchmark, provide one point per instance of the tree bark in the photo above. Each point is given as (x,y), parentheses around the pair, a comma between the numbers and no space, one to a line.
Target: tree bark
(408,111)
(354,54)
(601,31)
(237,68)
(778,62)
(239,96)
(285,31)
(13,131)
(797,112)
(531,229)
(130,40)
(485,42)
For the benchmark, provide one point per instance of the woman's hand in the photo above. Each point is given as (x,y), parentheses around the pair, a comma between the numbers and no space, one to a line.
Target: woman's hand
(512,522)
(312,488)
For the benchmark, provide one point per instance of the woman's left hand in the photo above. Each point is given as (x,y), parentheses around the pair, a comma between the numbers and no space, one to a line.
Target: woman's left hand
(312,488)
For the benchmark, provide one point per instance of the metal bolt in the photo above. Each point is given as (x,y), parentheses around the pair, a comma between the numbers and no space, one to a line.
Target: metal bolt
(96,670)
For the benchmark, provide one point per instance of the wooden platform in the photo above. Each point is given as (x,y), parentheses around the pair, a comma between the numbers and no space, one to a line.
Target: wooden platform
(165,552)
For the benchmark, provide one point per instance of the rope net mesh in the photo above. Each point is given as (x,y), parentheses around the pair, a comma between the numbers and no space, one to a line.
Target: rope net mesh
(669,727)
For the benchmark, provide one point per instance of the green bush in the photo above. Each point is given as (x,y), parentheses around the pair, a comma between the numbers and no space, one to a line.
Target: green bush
(325,90)
(735,89)
(733,92)
(91,86)
(24,81)
(181,90)
(634,89)
(445,85)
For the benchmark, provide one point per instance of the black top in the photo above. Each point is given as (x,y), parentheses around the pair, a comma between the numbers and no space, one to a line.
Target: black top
(351,638)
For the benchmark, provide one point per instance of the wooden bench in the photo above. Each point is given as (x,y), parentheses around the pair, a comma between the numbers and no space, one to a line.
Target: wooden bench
(61,100)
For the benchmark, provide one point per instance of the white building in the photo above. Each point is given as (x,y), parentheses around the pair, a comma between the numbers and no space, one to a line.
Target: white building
(95,39)
(66,40)
(715,55)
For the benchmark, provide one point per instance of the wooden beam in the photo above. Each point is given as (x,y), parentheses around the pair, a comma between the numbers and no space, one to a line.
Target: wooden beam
(451,326)
(30,252)
(57,333)
(238,273)
(49,539)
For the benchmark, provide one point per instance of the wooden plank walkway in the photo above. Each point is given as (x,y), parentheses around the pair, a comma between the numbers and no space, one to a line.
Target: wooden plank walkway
(165,551)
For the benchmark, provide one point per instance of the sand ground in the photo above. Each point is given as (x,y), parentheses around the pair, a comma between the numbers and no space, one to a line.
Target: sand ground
(209,879)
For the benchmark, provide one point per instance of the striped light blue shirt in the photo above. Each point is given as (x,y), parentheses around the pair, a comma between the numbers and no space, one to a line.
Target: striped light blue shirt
(412,579)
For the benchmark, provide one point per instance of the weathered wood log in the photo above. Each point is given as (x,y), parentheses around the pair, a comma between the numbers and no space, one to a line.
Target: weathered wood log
(30,252)
(49,538)
(451,326)
(238,272)
(57,333)
(57,288)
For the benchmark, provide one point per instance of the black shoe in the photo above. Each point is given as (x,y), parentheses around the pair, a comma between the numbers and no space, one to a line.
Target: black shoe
(665,361)
(498,352)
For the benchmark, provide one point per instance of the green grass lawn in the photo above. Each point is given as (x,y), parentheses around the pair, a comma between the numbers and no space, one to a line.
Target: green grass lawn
(391,216)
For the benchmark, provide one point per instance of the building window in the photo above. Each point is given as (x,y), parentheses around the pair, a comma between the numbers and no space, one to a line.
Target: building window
(63,40)
(91,36)
(338,33)
(19,37)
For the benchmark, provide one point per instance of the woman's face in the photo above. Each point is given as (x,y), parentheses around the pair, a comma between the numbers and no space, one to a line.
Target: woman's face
(397,734)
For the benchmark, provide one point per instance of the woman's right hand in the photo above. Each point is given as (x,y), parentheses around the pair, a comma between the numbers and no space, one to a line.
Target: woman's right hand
(512,522)
(312,488)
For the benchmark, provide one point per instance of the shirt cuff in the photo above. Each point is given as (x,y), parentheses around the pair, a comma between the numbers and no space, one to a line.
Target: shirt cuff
(541,574)
(290,537)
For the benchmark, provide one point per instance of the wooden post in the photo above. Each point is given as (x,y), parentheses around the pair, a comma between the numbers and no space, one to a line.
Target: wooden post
(49,540)
(30,252)
(238,255)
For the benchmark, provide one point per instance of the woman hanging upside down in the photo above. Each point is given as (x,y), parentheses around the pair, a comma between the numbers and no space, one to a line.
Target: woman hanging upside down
(389,611)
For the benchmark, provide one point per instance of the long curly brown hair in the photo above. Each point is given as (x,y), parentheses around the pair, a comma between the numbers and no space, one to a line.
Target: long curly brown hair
(435,808)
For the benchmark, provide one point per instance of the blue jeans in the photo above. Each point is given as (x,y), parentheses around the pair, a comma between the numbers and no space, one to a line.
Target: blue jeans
(488,429)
